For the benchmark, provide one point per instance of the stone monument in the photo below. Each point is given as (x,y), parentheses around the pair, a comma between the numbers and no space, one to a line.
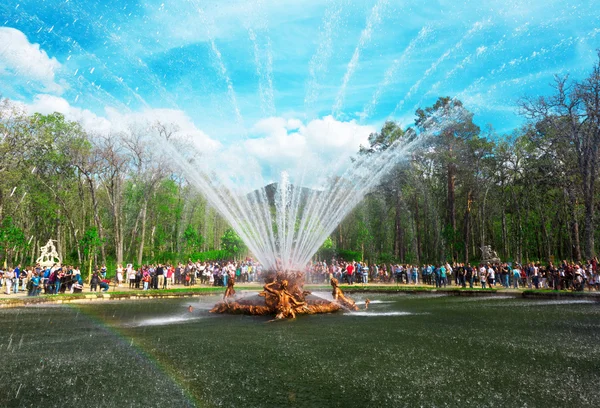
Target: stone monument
(488,255)
(49,256)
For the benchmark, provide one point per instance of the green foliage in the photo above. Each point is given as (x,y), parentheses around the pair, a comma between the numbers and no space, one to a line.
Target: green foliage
(192,239)
(327,250)
(210,256)
(10,234)
(232,243)
(90,243)
(12,238)
(385,258)
(349,255)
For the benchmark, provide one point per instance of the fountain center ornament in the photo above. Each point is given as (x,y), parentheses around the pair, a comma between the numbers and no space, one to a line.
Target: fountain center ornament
(284,297)
(48,256)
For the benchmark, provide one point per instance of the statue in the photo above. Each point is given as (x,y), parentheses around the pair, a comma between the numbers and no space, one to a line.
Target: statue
(489,255)
(286,303)
(339,296)
(282,297)
(49,256)
(230,292)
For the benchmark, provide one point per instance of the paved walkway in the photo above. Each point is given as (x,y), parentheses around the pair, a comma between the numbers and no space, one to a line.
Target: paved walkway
(257,286)
(124,288)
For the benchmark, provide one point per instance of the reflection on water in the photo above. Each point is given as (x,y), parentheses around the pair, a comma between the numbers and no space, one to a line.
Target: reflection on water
(163,321)
(376,314)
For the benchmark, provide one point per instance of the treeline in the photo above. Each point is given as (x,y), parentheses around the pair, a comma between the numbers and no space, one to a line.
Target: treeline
(105,198)
(116,198)
(531,194)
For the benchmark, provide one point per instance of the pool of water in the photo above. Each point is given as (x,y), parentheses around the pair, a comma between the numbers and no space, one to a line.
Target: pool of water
(404,350)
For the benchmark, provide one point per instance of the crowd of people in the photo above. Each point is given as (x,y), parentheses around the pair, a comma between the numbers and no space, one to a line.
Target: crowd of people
(33,280)
(564,276)
(161,276)
(68,279)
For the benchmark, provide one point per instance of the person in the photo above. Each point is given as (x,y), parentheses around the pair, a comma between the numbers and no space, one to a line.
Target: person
(178,270)
(483,276)
(350,273)
(461,276)
(131,276)
(536,277)
(138,278)
(146,279)
(94,281)
(46,279)
(103,271)
(160,277)
(443,275)
(491,276)
(77,287)
(105,285)
(25,277)
(469,275)
(448,271)
(153,277)
(438,277)
(8,280)
(34,286)
(59,276)
(15,279)
(506,276)
(119,275)
(53,282)
(516,276)
(168,277)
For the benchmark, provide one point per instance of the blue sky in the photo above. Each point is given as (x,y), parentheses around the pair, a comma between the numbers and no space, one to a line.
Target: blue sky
(261,73)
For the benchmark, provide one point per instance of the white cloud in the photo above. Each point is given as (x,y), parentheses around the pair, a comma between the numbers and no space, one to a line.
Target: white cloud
(20,58)
(185,126)
(307,152)
(119,122)
(47,104)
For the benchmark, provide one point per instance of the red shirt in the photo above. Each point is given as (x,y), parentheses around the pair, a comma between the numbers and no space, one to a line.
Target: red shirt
(350,269)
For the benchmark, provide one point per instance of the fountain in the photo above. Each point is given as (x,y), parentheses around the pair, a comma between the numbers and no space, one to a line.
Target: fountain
(284,224)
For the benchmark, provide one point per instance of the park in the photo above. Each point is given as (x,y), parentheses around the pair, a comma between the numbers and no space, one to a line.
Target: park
(308,204)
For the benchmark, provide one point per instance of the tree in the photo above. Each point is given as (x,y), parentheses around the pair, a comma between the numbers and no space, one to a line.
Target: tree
(149,168)
(192,239)
(232,243)
(391,186)
(91,242)
(12,238)
(457,129)
(573,111)
(112,168)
